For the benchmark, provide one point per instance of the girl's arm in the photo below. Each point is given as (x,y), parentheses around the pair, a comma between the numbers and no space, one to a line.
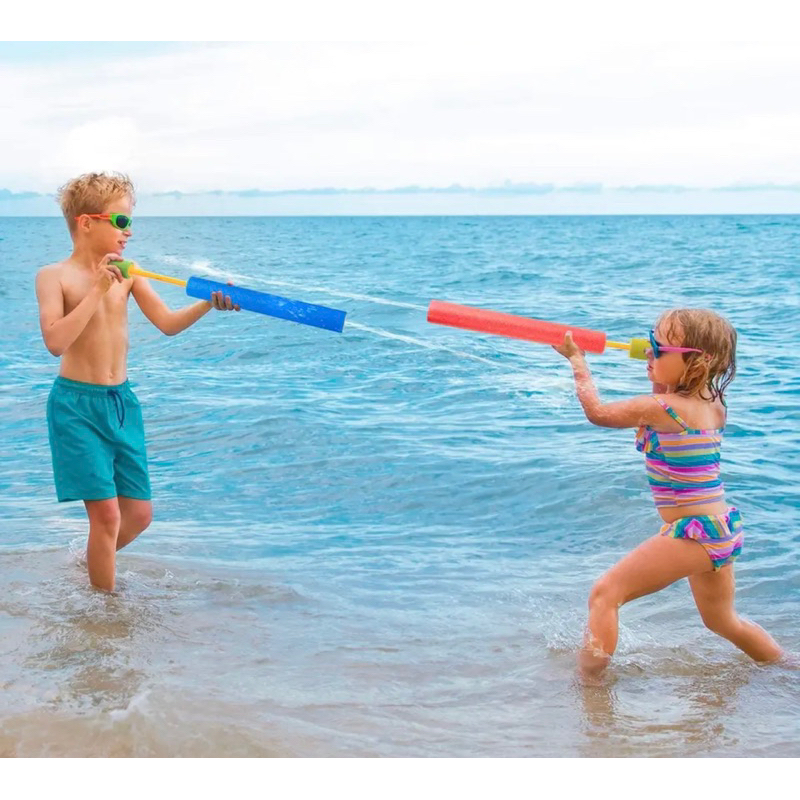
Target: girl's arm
(623,414)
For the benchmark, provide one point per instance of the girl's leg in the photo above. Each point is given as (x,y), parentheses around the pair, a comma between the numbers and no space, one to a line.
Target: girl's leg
(135,516)
(653,565)
(104,519)
(713,593)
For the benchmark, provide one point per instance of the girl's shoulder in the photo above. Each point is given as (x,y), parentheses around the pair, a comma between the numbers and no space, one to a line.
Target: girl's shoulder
(694,413)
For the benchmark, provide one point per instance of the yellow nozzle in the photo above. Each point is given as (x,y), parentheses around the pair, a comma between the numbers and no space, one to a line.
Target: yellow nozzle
(155,276)
(637,348)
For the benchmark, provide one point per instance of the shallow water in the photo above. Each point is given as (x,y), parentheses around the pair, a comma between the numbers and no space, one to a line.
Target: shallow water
(380,543)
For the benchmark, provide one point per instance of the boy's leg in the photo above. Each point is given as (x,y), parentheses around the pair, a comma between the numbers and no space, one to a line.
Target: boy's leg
(135,516)
(97,442)
(653,565)
(131,475)
(104,519)
(713,594)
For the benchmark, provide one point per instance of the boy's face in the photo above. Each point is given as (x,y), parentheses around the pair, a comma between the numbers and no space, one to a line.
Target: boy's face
(102,235)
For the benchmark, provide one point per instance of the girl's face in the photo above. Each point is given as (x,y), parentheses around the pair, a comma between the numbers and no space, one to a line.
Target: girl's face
(668,368)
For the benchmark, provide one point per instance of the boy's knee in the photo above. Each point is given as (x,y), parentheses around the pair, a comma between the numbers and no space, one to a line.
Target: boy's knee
(141,518)
(106,518)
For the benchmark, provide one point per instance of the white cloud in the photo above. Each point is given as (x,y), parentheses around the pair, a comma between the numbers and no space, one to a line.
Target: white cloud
(109,143)
(272,116)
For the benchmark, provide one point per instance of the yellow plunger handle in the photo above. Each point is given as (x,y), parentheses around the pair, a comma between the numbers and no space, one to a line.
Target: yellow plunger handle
(145,274)
(127,269)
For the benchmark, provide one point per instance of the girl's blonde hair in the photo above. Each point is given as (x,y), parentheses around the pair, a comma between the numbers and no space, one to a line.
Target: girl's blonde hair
(709,373)
(91,193)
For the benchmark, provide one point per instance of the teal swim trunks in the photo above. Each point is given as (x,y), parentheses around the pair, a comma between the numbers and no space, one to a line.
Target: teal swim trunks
(97,441)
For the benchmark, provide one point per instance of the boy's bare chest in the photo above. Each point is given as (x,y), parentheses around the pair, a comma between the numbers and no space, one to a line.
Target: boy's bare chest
(114,303)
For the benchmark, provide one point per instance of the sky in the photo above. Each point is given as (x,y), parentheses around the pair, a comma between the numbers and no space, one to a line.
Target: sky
(587,126)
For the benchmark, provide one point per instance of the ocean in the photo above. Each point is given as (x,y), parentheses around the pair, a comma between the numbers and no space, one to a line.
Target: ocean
(381,542)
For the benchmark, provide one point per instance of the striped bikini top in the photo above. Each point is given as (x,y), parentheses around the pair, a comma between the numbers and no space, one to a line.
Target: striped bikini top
(682,468)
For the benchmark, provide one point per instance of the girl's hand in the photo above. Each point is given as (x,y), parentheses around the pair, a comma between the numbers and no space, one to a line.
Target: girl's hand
(568,349)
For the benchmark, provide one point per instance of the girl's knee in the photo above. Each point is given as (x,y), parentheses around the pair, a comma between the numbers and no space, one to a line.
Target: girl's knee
(604,592)
(725,627)
(723,623)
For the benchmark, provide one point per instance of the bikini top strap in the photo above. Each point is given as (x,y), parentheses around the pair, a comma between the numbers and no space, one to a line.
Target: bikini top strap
(671,411)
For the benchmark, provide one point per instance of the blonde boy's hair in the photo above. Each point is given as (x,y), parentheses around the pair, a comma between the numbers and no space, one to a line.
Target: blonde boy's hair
(709,373)
(91,193)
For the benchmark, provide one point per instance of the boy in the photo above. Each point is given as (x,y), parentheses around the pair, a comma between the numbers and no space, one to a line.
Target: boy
(94,419)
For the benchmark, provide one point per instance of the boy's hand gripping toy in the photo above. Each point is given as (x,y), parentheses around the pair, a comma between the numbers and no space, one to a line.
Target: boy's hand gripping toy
(249,299)
(533,330)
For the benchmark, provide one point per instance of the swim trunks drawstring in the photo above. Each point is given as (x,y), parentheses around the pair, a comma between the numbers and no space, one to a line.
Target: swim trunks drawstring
(119,406)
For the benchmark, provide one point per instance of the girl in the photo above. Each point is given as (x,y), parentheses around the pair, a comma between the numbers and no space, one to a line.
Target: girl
(691,362)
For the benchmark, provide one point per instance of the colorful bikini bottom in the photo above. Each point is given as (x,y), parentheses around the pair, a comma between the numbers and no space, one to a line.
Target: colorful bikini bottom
(721,534)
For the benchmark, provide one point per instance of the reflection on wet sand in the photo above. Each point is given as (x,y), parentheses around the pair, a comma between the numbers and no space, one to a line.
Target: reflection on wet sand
(93,653)
(696,697)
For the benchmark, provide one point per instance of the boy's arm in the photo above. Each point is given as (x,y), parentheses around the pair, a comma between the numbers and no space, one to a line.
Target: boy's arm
(60,331)
(163,317)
